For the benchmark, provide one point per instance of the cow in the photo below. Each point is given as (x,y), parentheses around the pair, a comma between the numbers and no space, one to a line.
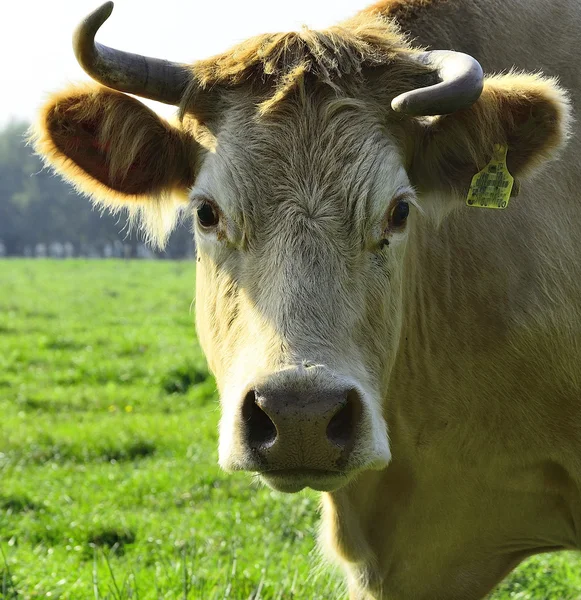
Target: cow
(373,337)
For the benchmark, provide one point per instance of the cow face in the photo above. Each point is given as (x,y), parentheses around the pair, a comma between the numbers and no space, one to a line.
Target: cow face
(305,222)
(302,219)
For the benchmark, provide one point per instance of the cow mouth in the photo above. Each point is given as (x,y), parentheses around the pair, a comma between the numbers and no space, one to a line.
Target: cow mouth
(294,480)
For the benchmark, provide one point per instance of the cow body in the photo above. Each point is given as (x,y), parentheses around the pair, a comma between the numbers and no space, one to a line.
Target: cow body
(422,372)
(484,403)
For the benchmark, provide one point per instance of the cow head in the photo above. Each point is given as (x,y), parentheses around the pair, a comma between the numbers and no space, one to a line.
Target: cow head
(309,162)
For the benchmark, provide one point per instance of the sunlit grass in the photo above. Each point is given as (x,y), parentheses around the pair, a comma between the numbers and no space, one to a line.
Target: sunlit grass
(108,437)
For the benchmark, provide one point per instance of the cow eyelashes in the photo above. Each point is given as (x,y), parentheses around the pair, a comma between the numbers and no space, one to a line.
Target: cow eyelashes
(208,214)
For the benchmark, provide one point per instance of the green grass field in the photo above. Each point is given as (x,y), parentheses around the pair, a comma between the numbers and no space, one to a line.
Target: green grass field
(109,486)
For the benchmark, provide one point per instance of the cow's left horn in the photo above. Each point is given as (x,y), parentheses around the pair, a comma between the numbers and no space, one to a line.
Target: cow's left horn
(460,85)
(151,78)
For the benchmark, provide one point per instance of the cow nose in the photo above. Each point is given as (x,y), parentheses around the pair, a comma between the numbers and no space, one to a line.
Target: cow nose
(312,429)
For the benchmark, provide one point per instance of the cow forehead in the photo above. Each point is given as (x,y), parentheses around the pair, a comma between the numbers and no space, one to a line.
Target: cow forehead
(336,156)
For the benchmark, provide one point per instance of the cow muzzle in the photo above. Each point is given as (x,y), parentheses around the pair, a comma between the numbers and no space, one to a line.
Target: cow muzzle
(300,428)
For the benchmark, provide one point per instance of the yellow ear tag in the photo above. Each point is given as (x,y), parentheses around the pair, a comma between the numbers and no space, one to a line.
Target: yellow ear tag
(491,187)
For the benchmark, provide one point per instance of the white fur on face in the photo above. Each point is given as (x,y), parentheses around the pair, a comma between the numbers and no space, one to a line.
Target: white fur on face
(296,272)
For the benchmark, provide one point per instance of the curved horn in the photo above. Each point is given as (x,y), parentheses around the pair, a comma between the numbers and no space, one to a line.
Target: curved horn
(151,78)
(461,83)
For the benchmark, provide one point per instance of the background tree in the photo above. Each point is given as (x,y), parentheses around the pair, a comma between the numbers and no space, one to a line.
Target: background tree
(37,207)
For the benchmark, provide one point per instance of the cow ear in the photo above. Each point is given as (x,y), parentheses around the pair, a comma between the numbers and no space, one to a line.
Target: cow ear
(527,113)
(115,149)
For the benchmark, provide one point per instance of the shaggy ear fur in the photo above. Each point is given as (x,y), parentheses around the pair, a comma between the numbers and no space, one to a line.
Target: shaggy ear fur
(528,113)
(117,151)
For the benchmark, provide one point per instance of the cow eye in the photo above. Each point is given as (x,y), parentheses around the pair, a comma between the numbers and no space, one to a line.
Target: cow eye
(399,214)
(208,215)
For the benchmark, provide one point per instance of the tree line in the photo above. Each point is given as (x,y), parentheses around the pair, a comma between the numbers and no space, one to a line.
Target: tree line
(42,215)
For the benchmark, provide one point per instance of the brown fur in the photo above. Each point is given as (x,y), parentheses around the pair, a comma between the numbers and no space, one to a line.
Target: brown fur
(117,151)
(528,113)
(403,11)
(281,61)
(407,13)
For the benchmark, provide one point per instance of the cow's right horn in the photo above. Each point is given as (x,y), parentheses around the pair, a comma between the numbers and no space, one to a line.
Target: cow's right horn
(461,82)
(151,78)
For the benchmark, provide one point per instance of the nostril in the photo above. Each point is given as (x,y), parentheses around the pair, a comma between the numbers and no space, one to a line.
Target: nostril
(260,430)
(341,428)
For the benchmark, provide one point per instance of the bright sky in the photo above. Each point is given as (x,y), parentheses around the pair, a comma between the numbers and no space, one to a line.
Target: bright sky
(35,36)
